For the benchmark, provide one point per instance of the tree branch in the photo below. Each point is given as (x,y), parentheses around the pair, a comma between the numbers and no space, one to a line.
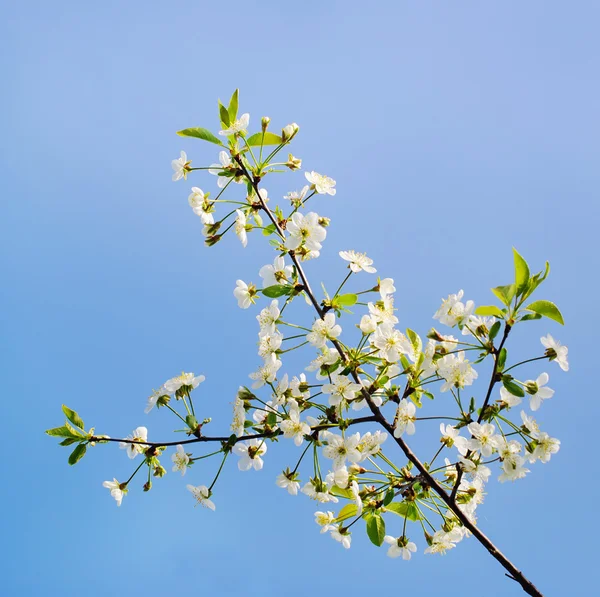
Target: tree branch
(516,574)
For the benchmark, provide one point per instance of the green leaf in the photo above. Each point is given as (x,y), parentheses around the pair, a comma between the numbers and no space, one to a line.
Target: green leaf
(547,309)
(505,293)
(415,340)
(73,417)
(268,230)
(270,139)
(277,290)
(77,454)
(339,492)
(232,109)
(200,133)
(224,115)
(531,316)
(376,529)
(490,310)
(521,272)
(407,510)
(348,511)
(345,300)
(501,359)
(494,330)
(68,441)
(513,388)
(389,496)
(65,431)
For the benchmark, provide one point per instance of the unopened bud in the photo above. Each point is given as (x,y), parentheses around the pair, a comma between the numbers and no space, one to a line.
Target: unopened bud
(289,132)
(264,123)
(212,240)
(159,471)
(323,221)
(148,486)
(433,334)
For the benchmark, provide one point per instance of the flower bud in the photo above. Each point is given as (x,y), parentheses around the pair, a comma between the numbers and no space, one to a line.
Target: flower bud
(323,221)
(212,240)
(289,132)
(159,470)
(148,486)
(264,123)
(293,163)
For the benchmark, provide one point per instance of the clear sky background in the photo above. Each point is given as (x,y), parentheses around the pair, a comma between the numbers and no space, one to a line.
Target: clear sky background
(454,130)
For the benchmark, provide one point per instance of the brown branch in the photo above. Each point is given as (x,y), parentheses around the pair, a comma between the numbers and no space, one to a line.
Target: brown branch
(202,438)
(514,572)
(486,401)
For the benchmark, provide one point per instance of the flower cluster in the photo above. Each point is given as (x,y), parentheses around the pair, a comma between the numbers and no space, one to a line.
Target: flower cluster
(392,374)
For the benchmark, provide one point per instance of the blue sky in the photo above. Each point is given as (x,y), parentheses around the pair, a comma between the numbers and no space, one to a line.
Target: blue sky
(455,131)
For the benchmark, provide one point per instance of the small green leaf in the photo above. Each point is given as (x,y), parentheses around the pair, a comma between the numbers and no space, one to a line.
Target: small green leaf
(521,272)
(200,133)
(277,290)
(345,300)
(505,293)
(270,139)
(224,115)
(339,492)
(501,359)
(513,388)
(73,417)
(77,454)
(232,109)
(494,330)
(389,496)
(68,441)
(490,310)
(348,511)
(407,510)
(65,431)
(376,529)
(531,316)
(547,309)
(415,340)
(268,230)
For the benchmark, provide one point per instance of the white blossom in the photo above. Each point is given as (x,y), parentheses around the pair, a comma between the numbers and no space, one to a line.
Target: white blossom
(180,167)
(275,274)
(386,287)
(399,546)
(405,418)
(237,127)
(358,261)
(456,370)
(245,294)
(453,312)
(267,318)
(201,493)
(484,438)
(288,482)
(201,206)
(341,388)
(115,490)
(556,351)
(340,449)
(391,343)
(266,373)
(250,453)
(183,380)
(294,428)
(240,227)
(451,437)
(305,230)
(140,434)
(537,392)
(544,448)
(323,330)
(320,183)
(180,460)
